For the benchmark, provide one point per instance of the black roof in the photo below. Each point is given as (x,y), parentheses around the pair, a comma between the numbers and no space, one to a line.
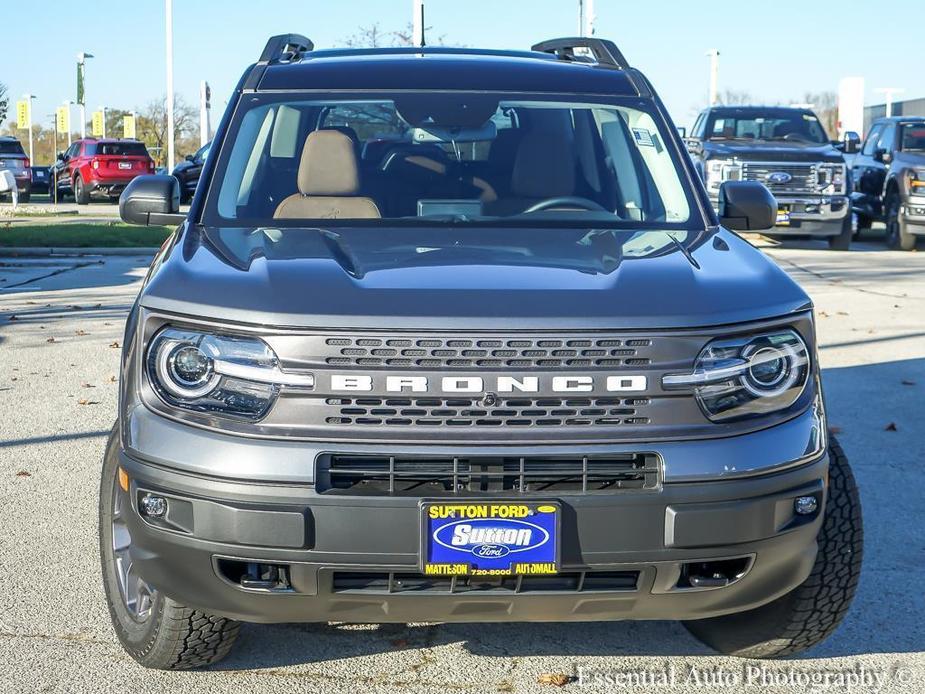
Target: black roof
(758,107)
(447,68)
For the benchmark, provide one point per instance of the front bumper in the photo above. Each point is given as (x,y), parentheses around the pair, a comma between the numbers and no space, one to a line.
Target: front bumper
(324,540)
(913,212)
(815,215)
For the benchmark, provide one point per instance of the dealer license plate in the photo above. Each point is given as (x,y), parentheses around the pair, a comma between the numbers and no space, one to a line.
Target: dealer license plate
(498,538)
(125,165)
(783,217)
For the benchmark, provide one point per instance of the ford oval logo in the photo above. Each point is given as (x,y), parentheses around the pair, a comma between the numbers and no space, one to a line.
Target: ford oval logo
(779,177)
(491,537)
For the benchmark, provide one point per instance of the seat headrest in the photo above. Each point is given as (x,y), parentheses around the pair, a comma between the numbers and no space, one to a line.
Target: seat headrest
(328,165)
(544,167)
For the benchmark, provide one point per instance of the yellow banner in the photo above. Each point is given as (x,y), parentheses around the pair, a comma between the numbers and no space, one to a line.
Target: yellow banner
(22,115)
(128,127)
(63,119)
(97,125)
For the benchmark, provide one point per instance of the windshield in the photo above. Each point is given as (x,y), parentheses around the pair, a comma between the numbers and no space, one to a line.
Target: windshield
(769,125)
(913,137)
(446,157)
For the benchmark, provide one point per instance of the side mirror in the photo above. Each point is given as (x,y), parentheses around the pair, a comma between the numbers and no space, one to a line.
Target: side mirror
(851,144)
(694,146)
(61,156)
(189,157)
(151,200)
(746,206)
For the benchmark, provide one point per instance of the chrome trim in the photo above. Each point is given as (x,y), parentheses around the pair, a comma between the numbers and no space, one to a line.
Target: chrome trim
(273,376)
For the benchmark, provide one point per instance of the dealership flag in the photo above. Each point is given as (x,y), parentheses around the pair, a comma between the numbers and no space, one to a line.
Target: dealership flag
(97,124)
(22,115)
(63,119)
(128,127)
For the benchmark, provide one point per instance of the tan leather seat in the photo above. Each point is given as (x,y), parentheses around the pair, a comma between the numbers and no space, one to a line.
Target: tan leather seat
(543,168)
(329,182)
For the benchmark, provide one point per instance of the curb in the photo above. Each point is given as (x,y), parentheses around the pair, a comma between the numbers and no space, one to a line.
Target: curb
(39,252)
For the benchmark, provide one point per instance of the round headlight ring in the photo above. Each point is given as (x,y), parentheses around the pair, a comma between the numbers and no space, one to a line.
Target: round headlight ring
(184,370)
(761,382)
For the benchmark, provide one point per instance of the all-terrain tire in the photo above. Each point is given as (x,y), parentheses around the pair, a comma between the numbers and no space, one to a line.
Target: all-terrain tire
(172,636)
(897,229)
(809,614)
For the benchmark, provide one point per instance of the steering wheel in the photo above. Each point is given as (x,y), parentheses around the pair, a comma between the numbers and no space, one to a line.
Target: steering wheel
(565,201)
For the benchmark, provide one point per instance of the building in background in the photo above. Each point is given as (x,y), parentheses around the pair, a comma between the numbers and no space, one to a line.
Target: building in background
(909,107)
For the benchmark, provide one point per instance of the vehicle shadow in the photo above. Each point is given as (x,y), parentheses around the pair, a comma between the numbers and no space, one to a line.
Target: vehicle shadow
(887,616)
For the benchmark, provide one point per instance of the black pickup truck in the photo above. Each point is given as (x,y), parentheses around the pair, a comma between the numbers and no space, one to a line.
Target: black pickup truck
(789,151)
(889,180)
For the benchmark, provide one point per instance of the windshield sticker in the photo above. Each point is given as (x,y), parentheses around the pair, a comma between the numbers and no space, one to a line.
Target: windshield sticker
(643,137)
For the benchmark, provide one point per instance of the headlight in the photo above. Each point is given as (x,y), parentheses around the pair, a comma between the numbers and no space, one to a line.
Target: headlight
(915,182)
(205,372)
(719,170)
(832,178)
(747,376)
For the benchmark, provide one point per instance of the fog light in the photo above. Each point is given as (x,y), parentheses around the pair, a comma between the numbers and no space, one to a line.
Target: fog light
(153,506)
(805,505)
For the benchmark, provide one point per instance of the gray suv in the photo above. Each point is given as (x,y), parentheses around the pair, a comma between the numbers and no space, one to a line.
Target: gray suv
(14,159)
(456,335)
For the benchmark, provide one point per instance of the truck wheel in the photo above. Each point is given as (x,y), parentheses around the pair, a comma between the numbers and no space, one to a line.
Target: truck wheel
(807,615)
(897,235)
(842,242)
(81,194)
(156,631)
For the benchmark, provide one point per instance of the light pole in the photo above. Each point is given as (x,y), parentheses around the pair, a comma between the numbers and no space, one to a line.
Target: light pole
(81,98)
(713,55)
(103,111)
(586,17)
(169,39)
(68,103)
(29,98)
(888,93)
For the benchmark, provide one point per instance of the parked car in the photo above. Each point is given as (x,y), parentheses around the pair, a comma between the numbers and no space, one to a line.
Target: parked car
(40,179)
(13,158)
(889,179)
(512,368)
(99,168)
(788,150)
(188,171)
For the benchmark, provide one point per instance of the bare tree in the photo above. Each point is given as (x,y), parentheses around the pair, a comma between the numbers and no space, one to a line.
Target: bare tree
(151,127)
(734,97)
(4,102)
(373,36)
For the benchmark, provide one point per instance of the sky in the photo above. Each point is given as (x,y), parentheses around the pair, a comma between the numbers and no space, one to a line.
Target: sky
(776,50)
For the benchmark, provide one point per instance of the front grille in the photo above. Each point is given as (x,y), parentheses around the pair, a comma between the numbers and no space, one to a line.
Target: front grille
(466,353)
(473,475)
(804,177)
(467,412)
(571,582)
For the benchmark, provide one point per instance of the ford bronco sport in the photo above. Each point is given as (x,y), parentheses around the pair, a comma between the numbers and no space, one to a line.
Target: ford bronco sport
(788,150)
(455,335)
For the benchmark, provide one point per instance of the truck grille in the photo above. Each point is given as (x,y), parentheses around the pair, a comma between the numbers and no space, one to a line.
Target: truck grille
(465,412)
(803,177)
(567,582)
(463,353)
(450,476)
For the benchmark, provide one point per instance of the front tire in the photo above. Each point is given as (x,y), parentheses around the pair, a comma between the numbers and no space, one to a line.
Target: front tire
(809,614)
(897,235)
(842,242)
(156,631)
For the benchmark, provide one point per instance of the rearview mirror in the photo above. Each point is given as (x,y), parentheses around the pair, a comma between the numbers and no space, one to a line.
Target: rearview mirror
(746,206)
(851,143)
(151,200)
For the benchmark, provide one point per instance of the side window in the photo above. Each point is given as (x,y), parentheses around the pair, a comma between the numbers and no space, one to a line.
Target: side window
(888,138)
(872,138)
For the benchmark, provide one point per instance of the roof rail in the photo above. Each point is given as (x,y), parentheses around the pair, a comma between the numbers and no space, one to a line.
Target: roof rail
(605,52)
(285,48)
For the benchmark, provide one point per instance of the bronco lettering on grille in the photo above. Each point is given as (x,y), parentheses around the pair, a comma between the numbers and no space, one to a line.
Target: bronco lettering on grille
(499,384)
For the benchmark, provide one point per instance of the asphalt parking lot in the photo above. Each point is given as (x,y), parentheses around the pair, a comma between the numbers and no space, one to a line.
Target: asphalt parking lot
(60,330)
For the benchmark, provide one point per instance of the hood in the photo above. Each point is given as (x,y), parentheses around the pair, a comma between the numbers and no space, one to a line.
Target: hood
(455,278)
(759,150)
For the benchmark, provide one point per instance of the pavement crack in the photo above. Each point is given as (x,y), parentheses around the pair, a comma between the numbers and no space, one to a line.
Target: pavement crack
(59,271)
